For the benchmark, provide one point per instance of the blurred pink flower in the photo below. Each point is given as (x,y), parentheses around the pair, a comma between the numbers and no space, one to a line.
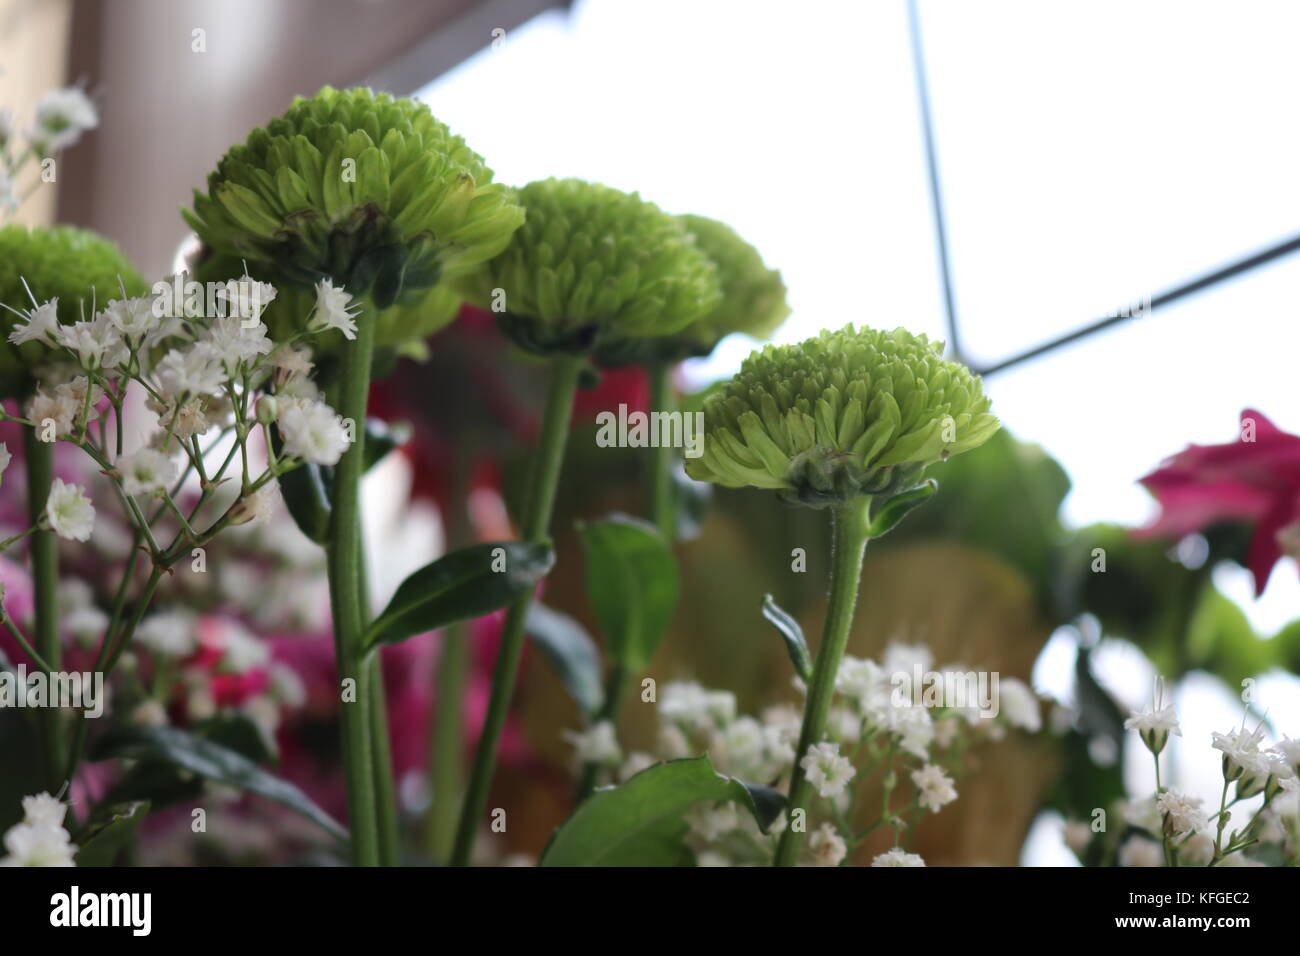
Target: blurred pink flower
(1254,480)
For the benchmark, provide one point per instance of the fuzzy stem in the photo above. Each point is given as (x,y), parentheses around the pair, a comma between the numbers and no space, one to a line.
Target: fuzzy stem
(662,509)
(43,548)
(547,463)
(848,543)
(343,552)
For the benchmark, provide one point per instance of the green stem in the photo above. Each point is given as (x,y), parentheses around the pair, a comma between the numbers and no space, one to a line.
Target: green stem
(382,754)
(381,750)
(849,541)
(547,462)
(662,508)
(45,582)
(615,690)
(446,757)
(342,553)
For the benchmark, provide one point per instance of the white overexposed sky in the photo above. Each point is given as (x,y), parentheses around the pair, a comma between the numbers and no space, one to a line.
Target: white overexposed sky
(1091,154)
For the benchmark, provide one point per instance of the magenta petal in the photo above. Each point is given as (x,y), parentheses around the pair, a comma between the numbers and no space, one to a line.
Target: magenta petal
(1264,548)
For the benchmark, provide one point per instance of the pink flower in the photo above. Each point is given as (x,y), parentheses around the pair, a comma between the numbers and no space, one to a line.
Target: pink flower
(1254,480)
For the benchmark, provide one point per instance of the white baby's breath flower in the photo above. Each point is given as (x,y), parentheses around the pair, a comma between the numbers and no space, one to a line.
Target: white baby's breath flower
(331,312)
(1181,812)
(246,297)
(826,847)
(686,703)
(69,512)
(709,823)
(826,769)
(897,857)
(1286,748)
(96,342)
(146,471)
(197,370)
(636,762)
(1139,851)
(58,409)
(133,318)
(671,742)
(1242,758)
(1198,850)
(242,650)
(1019,705)
(169,633)
(61,117)
(290,362)
(313,431)
(149,713)
(1154,725)
(935,786)
(598,744)
(43,810)
(41,325)
(30,845)
(237,341)
(739,746)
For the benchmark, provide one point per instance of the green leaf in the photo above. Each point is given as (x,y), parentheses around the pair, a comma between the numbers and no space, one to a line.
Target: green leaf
(632,586)
(640,822)
(571,652)
(210,760)
(460,586)
(793,635)
(897,508)
(108,832)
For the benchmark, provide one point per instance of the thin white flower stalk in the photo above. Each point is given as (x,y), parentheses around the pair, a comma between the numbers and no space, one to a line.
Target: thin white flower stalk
(1175,830)
(61,118)
(219,387)
(887,760)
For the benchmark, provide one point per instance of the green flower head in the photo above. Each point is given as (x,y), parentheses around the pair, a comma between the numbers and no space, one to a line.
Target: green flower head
(358,187)
(593,267)
(75,266)
(753,300)
(848,413)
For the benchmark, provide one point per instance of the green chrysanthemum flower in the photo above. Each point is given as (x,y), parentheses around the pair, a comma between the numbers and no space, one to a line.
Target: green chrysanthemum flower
(753,300)
(853,412)
(593,267)
(73,265)
(359,187)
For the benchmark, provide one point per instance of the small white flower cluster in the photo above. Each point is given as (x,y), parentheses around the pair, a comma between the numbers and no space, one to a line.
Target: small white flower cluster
(61,117)
(881,728)
(198,374)
(40,839)
(1174,828)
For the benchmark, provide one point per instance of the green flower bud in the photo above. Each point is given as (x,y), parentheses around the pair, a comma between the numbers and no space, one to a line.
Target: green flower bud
(593,267)
(75,266)
(848,413)
(753,300)
(369,191)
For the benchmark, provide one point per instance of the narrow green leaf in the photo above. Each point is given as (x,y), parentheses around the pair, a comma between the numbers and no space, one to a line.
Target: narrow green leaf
(897,508)
(108,832)
(460,586)
(571,652)
(212,761)
(632,586)
(640,822)
(793,635)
